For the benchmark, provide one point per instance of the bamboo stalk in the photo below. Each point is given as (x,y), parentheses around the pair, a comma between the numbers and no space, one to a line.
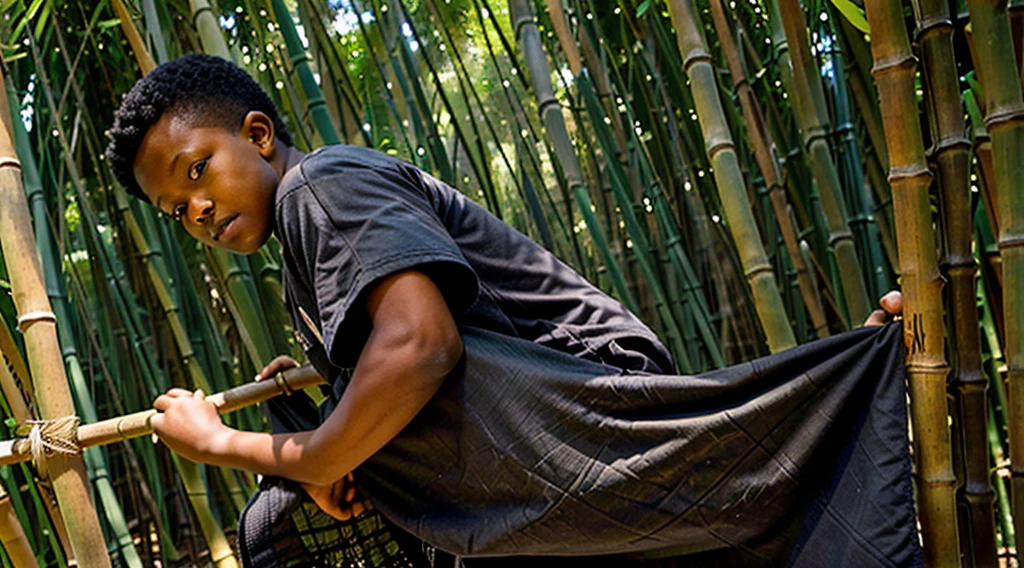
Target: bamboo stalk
(950,151)
(1004,119)
(13,375)
(12,535)
(95,462)
(922,284)
(46,364)
(764,153)
(137,424)
(808,106)
(316,106)
(722,153)
(551,115)
(205,21)
(142,55)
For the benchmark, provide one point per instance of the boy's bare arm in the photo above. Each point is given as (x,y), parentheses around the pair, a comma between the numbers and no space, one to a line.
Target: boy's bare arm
(412,347)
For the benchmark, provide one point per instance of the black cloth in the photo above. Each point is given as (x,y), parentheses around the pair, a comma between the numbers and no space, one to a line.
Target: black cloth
(551,437)
(797,459)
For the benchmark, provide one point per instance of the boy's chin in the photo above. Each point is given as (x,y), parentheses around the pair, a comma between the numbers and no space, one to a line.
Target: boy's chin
(248,247)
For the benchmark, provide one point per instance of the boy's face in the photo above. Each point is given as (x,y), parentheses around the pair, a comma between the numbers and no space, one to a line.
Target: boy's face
(219,183)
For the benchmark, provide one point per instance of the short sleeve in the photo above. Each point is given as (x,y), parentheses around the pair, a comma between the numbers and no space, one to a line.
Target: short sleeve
(374,221)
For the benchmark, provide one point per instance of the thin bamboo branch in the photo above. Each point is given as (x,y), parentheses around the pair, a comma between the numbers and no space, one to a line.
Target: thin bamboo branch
(922,284)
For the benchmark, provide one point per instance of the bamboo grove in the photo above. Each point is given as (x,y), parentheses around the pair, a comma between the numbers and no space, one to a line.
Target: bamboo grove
(746,175)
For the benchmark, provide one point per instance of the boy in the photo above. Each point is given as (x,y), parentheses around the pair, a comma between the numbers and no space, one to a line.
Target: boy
(396,282)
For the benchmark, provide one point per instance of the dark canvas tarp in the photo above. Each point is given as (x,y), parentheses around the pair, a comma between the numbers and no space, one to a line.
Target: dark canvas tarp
(799,458)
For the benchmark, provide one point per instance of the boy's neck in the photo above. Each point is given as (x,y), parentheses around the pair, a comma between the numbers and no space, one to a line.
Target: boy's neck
(286,158)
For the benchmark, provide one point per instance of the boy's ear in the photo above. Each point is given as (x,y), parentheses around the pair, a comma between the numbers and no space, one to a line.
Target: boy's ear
(258,128)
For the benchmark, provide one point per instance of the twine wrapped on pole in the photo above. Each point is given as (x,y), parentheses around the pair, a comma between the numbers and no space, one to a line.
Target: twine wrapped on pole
(138,424)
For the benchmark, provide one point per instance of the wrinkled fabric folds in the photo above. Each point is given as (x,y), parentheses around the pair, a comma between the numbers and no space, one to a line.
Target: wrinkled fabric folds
(800,457)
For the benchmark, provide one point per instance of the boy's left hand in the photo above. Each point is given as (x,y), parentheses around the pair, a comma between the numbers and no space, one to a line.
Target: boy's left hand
(189,424)
(892,305)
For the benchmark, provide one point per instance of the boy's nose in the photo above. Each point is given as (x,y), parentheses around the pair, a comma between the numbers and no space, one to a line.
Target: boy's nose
(203,211)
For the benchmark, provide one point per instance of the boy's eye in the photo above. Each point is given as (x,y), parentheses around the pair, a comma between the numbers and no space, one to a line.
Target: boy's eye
(197,168)
(179,212)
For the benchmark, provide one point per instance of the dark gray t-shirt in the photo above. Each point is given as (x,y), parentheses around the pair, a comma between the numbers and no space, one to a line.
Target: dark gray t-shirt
(349,216)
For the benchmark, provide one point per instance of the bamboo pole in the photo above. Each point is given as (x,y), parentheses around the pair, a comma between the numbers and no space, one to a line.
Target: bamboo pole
(1004,119)
(764,153)
(950,151)
(721,152)
(12,535)
(922,284)
(529,40)
(137,424)
(13,376)
(808,106)
(38,325)
(316,106)
(96,463)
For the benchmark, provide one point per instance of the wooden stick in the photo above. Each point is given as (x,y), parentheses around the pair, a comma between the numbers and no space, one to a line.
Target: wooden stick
(137,424)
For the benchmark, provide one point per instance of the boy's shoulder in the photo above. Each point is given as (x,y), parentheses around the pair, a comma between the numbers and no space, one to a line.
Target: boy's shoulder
(337,160)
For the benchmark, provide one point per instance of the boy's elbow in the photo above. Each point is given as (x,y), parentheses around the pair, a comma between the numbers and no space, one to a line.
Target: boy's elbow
(449,351)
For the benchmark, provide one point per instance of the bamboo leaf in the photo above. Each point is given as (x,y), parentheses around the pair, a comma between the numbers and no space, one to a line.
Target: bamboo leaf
(853,14)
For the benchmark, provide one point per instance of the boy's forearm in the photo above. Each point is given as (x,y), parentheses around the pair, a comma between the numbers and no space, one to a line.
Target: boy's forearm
(341,444)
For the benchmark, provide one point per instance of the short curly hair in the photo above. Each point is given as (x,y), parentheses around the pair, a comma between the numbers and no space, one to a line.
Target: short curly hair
(204,89)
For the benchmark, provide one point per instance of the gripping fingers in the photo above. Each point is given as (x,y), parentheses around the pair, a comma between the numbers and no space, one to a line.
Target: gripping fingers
(280,363)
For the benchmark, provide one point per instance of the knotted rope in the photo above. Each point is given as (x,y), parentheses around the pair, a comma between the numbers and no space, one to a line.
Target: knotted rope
(51,437)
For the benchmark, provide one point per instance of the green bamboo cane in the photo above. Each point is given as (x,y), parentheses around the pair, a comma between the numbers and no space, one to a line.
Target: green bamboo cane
(722,154)
(950,150)
(529,39)
(922,284)
(315,104)
(760,138)
(38,325)
(807,99)
(1004,119)
(866,230)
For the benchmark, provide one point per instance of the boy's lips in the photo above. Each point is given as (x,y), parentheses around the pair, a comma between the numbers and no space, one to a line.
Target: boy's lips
(222,227)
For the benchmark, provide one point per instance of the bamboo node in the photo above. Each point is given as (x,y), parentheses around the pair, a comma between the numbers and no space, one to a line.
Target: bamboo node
(1003,117)
(9,162)
(891,64)
(25,320)
(51,437)
(696,56)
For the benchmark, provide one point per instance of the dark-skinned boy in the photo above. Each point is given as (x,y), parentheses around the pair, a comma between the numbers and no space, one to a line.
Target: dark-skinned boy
(227,183)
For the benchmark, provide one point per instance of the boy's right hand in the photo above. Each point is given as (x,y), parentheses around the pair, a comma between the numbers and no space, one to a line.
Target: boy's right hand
(279,364)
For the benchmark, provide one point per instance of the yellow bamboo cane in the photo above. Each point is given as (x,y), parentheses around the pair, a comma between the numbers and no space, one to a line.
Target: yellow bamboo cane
(910,178)
(46,364)
(12,535)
